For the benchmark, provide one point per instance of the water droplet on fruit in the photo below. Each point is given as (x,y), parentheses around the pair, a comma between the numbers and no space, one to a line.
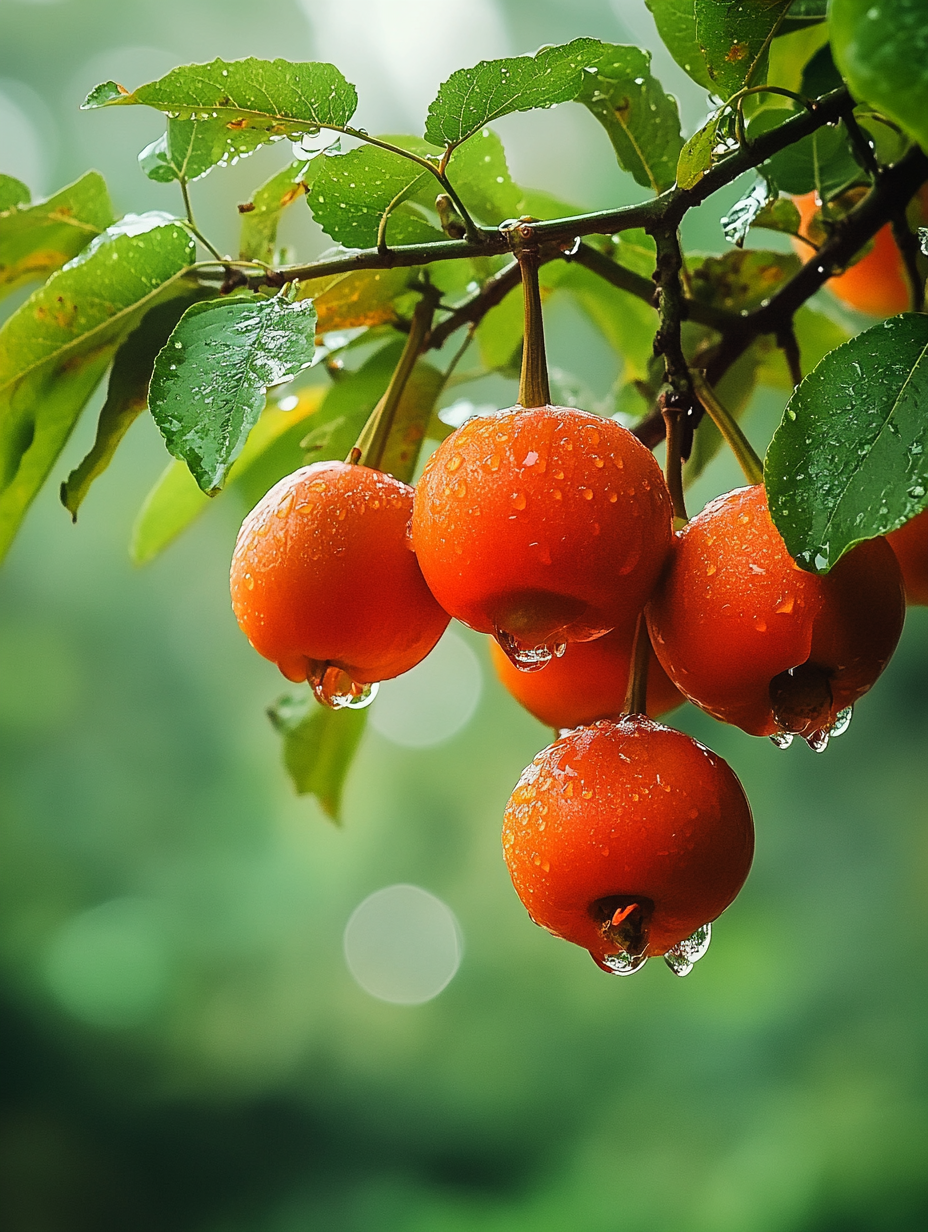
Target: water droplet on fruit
(842,722)
(782,739)
(527,658)
(454,462)
(624,964)
(818,741)
(685,954)
(333,687)
(518,500)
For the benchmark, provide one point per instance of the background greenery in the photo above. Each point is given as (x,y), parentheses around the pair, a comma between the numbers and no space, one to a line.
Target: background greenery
(184,1047)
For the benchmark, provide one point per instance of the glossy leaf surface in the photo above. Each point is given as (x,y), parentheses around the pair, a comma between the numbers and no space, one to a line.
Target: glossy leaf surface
(676,24)
(13,193)
(850,459)
(319,745)
(191,148)
(734,36)
(210,381)
(261,215)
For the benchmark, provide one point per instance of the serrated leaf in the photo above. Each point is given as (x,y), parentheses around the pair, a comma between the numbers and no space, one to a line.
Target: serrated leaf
(13,193)
(261,215)
(743,214)
(881,48)
(37,239)
(56,346)
(276,97)
(471,98)
(676,24)
(210,381)
(642,121)
(189,149)
(850,459)
(126,396)
(734,37)
(271,451)
(319,745)
(350,193)
(821,162)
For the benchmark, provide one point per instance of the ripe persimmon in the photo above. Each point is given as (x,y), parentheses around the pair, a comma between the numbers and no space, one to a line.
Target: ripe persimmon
(756,641)
(628,838)
(910,543)
(588,682)
(543,526)
(325,585)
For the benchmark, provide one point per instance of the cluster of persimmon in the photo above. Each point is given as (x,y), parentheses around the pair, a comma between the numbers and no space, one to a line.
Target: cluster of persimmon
(551,529)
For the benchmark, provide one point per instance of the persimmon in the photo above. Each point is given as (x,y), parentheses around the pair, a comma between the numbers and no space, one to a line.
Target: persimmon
(543,526)
(324,583)
(756,641)
(877,283)
(910,543)
(628,838)
(588,682)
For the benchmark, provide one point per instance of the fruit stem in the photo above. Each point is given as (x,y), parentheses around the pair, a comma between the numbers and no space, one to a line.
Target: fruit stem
(729,427)
(372,442)
(534,389)
(636,699)
(674,412)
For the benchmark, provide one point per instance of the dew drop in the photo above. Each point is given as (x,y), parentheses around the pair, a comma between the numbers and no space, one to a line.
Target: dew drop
(818,741)
(526,658)
(518,500)
(842,722)
(782,739)
(685,954)
(624,964)
(333,687)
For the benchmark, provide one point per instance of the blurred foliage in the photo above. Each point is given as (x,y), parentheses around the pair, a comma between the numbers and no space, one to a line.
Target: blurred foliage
(184,1047)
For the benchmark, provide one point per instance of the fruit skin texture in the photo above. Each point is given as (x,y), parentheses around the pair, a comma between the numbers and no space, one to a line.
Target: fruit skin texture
(734,610)
(910,543)
(548,523)
(627,810)
(587,683)
(877,283)
(322,571)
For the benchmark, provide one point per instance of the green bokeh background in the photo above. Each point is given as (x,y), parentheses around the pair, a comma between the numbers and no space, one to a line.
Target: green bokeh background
(183,1046)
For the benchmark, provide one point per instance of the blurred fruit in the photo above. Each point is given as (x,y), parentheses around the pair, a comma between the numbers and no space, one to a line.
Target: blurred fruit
(910,543)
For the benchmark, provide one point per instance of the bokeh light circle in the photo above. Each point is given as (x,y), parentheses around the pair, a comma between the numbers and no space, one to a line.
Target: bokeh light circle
(402,944)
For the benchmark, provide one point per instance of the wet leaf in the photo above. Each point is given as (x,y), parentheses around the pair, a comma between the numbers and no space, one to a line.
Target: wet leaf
(275,97)
(13,193)
(126,396)
(734,37)
(822,162)
(471,98)
(742,278)
(480,174)
(319,745)
(366,297)
(37,239)
(191,148)
(57,345)
(210,381)
(881,48)
(850,459)
(676,24)
(642,121)
(261,215)
(704,148)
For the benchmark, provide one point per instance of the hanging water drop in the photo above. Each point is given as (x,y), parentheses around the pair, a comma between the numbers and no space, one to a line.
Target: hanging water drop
(818,741)
(526,658)
(333,687)
(685,954)
(624,963)
(782,739)
(842,722)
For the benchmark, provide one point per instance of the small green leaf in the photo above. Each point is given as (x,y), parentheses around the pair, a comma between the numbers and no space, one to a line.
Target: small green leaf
(191,148)
(480,174)
(499,333)
(781,215)
(850,459)
(126,397)
(642,121)
(277,97)
(57,345)
(734,37)
(350,193)
(471,98)
(676,24)
(37,239)
(13,193)
(881,47)
(210,381)
(742,278)
(172,504)
(319,746)
(261,215)
(704,148)
(822,162)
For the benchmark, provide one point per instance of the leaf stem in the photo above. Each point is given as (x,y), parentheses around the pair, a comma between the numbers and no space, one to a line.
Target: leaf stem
(191,223)
(730,429)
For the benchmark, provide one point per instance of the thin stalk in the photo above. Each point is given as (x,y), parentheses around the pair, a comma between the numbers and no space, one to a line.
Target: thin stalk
(191,223)
(372,442)
(636,699)
(674,412)
(534,389)
(730,429)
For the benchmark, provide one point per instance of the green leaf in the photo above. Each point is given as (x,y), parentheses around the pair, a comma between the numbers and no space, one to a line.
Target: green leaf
(734,36)
(804,13)
(362,298)
(820,76)
(480,174)
(474,97)
(705,147)
(319,745)
(191,148)
(823,161)
(676,24)
(37,239)
(56,346)
(277,97)
(13,193)
(642,121)
(261,215)
(790,53)
(271,451)
(412,418)
(734,390)
(499,334)
(210,381)
(350,193)
(781,215)
(850,459)
(881,47)
(742,278)
(126,396)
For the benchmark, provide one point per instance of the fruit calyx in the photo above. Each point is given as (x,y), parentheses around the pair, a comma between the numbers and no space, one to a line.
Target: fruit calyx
(624,921)
(801,698)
